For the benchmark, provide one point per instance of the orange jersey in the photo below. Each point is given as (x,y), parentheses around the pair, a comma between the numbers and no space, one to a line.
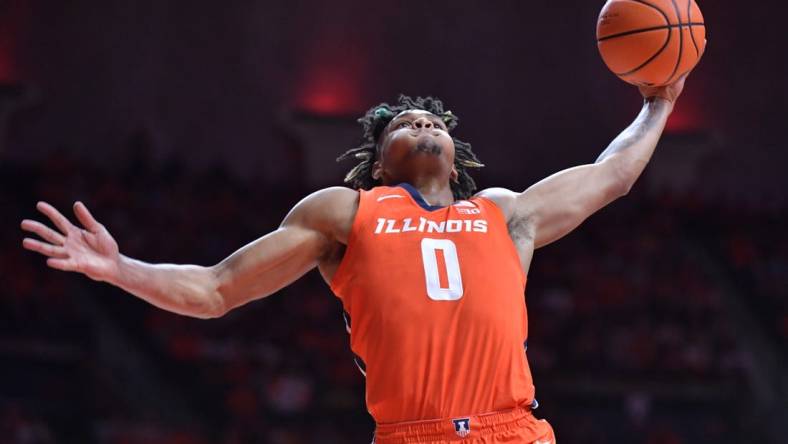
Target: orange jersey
(435,306)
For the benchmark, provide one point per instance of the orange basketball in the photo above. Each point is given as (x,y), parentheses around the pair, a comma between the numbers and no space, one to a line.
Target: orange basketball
(650,42)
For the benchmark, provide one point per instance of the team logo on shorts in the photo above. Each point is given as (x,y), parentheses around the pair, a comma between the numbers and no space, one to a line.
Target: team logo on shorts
(462,426)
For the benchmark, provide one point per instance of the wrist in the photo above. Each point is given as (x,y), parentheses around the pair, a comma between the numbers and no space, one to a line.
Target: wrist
(120,272)
(659,103)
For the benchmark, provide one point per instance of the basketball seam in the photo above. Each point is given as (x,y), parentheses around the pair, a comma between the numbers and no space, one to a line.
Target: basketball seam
(665,45)
(653,28)
(681,42)
(665,16)
(692,34)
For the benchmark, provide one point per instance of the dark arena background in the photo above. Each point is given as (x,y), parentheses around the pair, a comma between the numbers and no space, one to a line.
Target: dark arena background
(189,128)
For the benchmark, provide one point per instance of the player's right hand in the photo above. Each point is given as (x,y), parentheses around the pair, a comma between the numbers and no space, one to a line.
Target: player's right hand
(669,92)
(672,91)
(90,250)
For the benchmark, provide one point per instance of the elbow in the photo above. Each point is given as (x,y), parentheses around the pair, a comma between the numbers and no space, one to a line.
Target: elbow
(623,177)
(216,305)
(618,184)
(623,187)
(205,307)
(216,308)
(211,303)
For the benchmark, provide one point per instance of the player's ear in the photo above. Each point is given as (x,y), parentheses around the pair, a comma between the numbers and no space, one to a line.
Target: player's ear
(377,170)
(454,175)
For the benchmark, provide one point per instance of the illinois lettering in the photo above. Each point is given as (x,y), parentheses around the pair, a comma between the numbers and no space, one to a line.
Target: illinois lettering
(424,225)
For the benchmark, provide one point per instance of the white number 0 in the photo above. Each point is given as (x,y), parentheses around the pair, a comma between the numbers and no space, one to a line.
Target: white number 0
(434,289)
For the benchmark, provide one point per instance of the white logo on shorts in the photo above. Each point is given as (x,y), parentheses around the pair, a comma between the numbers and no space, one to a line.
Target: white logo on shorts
(462,426)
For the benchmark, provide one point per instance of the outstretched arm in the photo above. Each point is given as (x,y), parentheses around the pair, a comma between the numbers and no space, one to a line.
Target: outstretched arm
(555,206)
(257,270)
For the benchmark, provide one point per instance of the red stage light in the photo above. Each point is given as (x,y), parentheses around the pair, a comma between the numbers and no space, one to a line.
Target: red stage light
(330,90)
(688,115)
(332,77)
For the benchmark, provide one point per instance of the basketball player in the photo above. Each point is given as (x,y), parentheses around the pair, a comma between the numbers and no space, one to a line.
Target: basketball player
(431,276)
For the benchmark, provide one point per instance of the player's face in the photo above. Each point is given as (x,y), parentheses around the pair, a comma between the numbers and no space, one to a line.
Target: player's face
(415,142)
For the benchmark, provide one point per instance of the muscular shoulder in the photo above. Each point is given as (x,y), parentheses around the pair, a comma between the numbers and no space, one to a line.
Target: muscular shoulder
(515,211)
(503,198)
(330,211)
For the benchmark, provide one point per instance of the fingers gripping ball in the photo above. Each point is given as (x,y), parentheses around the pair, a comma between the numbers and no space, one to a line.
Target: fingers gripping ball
(650,42)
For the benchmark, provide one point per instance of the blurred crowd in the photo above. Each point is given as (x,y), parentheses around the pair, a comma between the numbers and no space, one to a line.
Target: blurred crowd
(754,246)
(629,339)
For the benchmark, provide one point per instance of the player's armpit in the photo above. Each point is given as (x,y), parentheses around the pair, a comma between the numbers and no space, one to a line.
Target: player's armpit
(273,261)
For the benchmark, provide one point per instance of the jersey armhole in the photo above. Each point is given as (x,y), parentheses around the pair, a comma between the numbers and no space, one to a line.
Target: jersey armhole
(491,204)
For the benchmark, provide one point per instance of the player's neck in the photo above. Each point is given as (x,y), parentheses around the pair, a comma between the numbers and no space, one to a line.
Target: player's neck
(434,192)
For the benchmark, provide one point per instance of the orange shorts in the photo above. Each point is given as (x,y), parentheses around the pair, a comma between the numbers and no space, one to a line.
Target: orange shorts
(517,426)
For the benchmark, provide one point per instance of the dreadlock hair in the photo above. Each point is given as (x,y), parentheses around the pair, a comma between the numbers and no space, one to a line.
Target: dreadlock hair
(376,119)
